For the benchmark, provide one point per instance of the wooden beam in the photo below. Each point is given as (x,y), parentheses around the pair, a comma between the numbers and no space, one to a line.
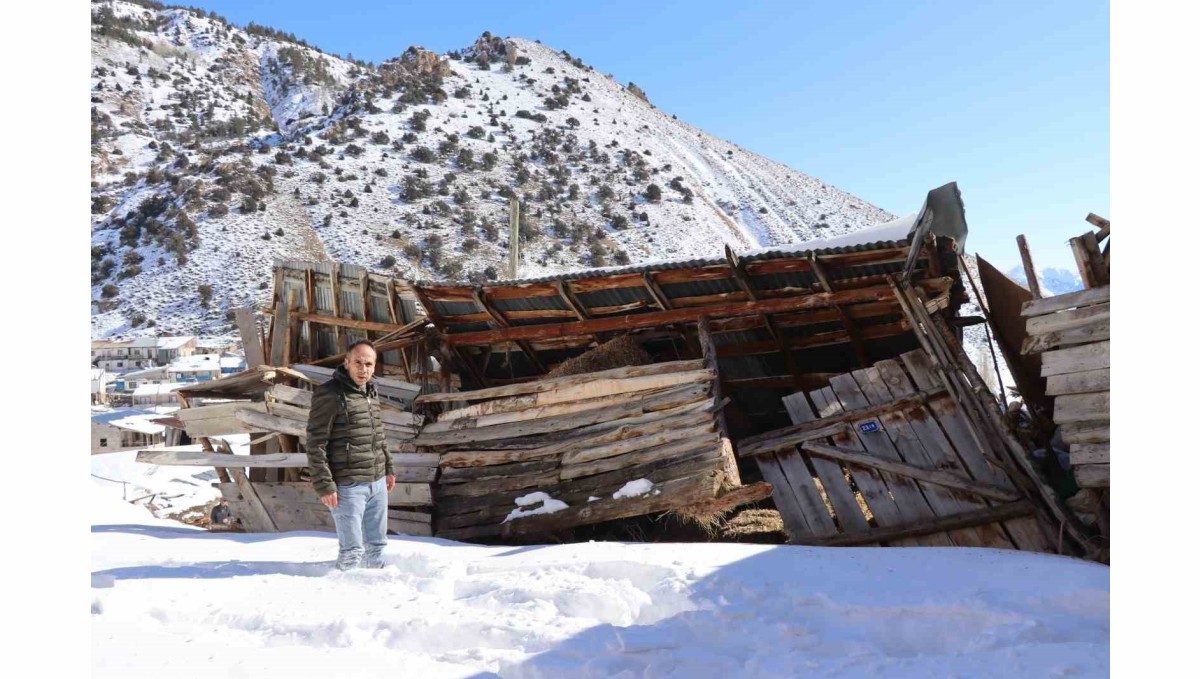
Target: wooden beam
(1100,223)
(982,517)
(937,477)
(346,322)
(709,350)
(1080,298)
(568,298)
(1030,271)
(310,307)
(658,318)
(556,383)
(660,298)
(279,333)
(335,284)
(250,340)
(194,456)
(498,318)
(785,438)
(258,519)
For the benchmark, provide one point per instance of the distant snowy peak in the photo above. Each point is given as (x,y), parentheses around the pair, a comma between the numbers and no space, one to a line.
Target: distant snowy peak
(1053,281)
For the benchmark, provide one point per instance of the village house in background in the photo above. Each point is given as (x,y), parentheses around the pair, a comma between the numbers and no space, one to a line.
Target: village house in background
(156,394)
(125,429)
(101,380)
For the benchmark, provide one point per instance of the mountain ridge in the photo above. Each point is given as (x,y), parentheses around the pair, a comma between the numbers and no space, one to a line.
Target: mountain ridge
(216,150)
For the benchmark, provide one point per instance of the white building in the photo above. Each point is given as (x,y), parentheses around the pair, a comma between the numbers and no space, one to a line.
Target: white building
(124,429)
(155,394)
(144,352)
(101,380)
(195,368)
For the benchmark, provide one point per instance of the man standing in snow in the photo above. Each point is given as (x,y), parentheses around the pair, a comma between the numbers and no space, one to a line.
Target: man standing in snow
(348,458)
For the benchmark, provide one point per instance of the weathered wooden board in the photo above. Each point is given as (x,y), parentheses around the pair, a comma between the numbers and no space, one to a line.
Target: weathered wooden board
(1077,383)
(568,423)
(959,441)
(1094,332)
(910,504)
(556,384)
(1081,407)
(410,495)
(1092,476)
(191,456)
(1089,453)
(532,406)
(1092,431)
(452,475)
(1048,305)
(414,528)
(708,441)
(833,480)
(301,398)
(1067,320)
(1075,359)
(922,445)
(629,445)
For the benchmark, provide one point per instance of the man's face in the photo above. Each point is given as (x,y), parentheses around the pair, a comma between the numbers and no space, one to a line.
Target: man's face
(360,363)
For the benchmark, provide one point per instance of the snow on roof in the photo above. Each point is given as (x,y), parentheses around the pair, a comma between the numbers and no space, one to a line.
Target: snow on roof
(195,363)
(139,423)
(110,344)
(215,342)
(152,389)
(895,230)
(174,342)
(232,361)
(146,372)
(144,343)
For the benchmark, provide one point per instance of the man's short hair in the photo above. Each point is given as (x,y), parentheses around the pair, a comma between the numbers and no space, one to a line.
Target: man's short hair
(363,343)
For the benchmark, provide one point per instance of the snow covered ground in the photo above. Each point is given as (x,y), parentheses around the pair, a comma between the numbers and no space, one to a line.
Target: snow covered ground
(173,600)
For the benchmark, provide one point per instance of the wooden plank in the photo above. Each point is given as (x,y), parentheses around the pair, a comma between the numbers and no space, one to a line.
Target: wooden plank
(1075,359)
(410,494)
(414,528)
(1068,319)
(922,445)
(980,517)
(194,456)
(1078,383)
(471,458)
(1094,258)
(1049,305)
(708,441)
(1095,453)
(253,420)
(947,436)
(629,445)
(576,398)
(932,476)
(352,323)
(795,517)
(1081,407)
(708,349)
(906,498)
(251,347)
(1030,269)
(667,399)
(256,519)
(279,334)
(658,318)
(785,438)
(1092,476)
(489,487)
(1095,332)
(800,481)
(1094,431)
(871,487)
(465,474)
(554,384)
(301,398)
(669,495)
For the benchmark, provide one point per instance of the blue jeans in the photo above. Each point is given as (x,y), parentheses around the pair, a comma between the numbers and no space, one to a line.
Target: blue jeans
(361,516)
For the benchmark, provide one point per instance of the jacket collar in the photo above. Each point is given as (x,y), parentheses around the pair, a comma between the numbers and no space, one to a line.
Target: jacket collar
(347,382)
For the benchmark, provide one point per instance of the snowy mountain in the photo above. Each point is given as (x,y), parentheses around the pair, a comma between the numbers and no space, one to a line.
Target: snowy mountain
(216,149)
(1053,281)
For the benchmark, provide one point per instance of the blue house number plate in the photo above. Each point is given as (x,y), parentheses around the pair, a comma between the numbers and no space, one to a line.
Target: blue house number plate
(868,427)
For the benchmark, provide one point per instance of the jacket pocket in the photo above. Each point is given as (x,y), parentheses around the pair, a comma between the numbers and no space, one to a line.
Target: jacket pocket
(339,458)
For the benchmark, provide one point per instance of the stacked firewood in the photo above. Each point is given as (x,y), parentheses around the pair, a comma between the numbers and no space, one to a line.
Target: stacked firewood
(540,456)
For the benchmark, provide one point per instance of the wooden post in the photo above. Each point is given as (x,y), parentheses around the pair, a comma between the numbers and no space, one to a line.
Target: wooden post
(514,236)
(728,461)
(250,339)
(1030,272)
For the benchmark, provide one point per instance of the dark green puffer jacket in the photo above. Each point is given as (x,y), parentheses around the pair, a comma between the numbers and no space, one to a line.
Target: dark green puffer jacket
(345,439)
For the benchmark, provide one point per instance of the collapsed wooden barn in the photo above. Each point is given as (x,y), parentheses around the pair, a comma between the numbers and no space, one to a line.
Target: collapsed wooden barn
(833,370)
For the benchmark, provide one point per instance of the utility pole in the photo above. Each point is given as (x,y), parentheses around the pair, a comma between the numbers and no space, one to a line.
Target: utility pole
(514,236)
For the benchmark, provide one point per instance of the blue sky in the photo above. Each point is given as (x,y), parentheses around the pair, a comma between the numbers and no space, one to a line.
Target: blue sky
(885,100)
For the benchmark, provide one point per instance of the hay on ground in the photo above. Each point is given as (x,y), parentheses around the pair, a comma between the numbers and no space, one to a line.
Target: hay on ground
(619,352)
